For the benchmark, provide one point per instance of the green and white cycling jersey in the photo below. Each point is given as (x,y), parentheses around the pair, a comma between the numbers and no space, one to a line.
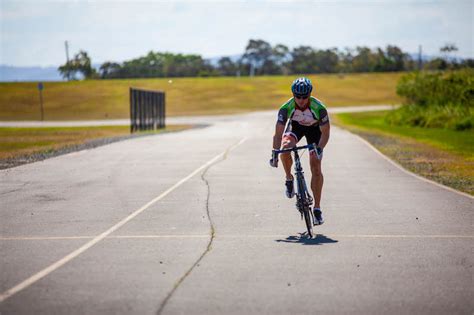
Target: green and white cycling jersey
(315,115)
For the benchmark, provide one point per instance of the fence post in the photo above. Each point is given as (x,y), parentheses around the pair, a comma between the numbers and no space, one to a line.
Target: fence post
(154,112)
(162,115)
(150,110)
(131,111)
(140,93)
(147,110)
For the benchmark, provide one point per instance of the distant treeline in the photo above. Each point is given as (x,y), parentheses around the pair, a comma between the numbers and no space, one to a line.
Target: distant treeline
(261,58)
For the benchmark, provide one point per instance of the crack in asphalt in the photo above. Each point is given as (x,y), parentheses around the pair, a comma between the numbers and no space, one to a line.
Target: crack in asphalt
(208,247)
(212,232)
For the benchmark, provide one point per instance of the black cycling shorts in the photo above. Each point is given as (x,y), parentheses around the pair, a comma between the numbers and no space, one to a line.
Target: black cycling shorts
(312,133)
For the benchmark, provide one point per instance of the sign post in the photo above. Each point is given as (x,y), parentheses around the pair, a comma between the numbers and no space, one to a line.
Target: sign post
(40,89)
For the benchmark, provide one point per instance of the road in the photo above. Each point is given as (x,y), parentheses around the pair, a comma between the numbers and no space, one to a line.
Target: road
(174,120)
(196,222)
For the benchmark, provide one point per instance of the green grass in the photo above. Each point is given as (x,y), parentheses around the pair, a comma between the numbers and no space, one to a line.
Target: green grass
(459,142)
(15,142)
(109,99)
(443,155)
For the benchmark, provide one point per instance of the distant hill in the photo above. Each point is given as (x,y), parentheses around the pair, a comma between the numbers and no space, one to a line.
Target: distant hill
(29,74)
(12,74)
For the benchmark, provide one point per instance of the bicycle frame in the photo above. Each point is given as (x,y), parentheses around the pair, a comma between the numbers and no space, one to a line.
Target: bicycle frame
(302,189)
(303,198)
(302,194)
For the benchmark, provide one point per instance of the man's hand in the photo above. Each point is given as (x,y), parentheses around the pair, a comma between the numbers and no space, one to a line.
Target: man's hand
(274,159)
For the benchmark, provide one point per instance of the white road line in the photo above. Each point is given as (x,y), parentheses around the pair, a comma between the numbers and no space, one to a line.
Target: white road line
(160,236)
(26,283)
(39,238)
(67,238)
(44,238)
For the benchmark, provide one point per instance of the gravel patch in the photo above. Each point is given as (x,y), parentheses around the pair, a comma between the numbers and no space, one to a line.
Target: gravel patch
(24,159)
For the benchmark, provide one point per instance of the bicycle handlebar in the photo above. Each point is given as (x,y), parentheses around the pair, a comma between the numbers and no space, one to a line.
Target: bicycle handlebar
(308,146)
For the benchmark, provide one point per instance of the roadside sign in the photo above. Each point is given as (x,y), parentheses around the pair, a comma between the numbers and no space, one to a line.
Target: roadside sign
(40,89)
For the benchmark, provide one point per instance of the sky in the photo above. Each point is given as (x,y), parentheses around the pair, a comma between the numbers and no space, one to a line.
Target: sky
(33,32)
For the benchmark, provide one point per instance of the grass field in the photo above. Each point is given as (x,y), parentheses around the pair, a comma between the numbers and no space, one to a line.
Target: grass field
(109,99)
(16,142)
(443,155)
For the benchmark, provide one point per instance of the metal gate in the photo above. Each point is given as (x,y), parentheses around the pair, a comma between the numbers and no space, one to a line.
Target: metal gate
(147,110)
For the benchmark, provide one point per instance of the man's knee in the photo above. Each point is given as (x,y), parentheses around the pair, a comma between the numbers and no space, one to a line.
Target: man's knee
(288,142)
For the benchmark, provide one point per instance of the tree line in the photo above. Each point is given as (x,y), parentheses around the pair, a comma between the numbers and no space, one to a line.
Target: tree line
(261,58)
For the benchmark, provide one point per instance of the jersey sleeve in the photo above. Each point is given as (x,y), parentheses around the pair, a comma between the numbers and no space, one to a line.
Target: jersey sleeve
(282,116)
(323,117)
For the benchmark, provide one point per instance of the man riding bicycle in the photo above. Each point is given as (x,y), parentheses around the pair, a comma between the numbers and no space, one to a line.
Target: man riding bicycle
(308,117)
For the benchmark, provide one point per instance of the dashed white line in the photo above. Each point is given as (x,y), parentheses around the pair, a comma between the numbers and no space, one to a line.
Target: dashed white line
(157,236)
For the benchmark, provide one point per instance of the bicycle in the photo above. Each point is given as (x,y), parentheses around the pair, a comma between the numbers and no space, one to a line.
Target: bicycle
(303,198)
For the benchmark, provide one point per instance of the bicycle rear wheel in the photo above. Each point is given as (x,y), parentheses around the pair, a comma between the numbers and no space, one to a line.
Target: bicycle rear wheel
(308,220)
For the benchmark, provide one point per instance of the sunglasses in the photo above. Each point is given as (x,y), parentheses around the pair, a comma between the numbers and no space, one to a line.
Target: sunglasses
(301,96)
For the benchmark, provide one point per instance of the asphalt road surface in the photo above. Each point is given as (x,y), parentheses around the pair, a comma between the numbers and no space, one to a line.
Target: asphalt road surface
(196,222)
(174,120)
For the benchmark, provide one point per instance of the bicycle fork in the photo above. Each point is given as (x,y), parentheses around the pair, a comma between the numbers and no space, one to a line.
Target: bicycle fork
(303,198)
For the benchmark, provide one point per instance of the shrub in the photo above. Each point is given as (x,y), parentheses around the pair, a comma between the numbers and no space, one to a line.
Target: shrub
(436,100)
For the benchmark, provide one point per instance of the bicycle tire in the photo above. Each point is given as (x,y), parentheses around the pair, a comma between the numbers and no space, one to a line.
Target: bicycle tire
(308,220)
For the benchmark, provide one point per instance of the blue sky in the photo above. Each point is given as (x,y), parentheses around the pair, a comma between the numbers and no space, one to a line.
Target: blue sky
(33,32)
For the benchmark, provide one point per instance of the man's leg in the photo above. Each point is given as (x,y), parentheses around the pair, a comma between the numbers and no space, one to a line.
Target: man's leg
(317,179)
(286,159)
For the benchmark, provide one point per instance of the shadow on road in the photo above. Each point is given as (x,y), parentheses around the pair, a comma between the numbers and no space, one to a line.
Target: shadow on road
(303,239)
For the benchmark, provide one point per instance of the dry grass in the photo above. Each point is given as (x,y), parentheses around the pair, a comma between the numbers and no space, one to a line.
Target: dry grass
(452,166)
(103,99)
(21,142)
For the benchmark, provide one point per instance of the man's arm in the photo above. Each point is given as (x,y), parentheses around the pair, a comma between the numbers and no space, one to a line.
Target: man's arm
(279,129)
(325,130)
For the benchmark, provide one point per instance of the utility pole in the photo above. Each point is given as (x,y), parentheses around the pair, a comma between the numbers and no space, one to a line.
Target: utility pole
(67,58)
(252,69)
(420,61)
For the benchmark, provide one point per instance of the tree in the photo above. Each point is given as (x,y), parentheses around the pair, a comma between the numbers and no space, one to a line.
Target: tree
(364,61)
(81,63)
(109,70)
(447,49)
(436,64)
(326,61)
(302,60)
(345,60)
(227,67)
(68,70)
(397,57)
(257,54)
(280,57)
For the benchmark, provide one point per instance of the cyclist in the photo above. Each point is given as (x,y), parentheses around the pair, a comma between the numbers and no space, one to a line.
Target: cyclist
(302,115)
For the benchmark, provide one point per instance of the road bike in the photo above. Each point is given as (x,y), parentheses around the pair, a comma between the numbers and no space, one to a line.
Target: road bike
(303,198)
